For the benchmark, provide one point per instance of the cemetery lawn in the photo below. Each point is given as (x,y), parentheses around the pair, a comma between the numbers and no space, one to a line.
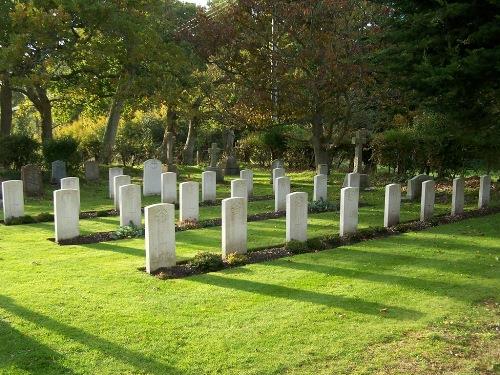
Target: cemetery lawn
(418,303)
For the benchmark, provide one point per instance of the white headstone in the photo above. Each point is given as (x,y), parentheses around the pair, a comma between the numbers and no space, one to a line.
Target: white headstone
(414,189)
(130,205)
(120,181)
(113,172)
(169,187)
(322,169)
(247,175)
(282,190)
(427,200)
(13,199)
(349,201)
(189,199)
(66,214)
(71,183)
(277,173)
(296,217)
(160,236)
(353,180)
(152,177)
(239,188)
(234,226)
(320,187)
(457,198)
(484,191)
(209,186)
(392,207)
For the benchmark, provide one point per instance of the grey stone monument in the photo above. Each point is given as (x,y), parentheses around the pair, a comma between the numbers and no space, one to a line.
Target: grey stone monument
(91,171)
(58,171)
(31,175)
(214,153)
(359,140)
(230,164)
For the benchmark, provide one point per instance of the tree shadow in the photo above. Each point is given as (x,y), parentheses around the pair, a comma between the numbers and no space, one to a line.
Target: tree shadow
(113,247)
(141,362)
(20,352)
(356,305)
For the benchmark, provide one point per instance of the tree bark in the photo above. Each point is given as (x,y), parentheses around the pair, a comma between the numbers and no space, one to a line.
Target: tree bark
(5,107)
(40,99)
(112,128)
(188,151)
(318,141)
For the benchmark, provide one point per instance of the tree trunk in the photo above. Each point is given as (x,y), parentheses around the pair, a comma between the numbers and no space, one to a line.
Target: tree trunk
(188,151)
(321,152)
(169,131)
(38,96)
(5,108)
(111,129)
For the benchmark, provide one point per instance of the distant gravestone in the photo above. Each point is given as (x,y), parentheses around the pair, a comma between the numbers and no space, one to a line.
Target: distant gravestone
(189,201)
(349,204)
(169,187)
(160,237)
(209,186)
(282,190)
(120,181)
(320,188)
(484,191)
(296,217)
(71,183)
(234,226)
(152,177)
(277,173)
(392,205)
(247,175)
(276,164)
(112,173)
(31,175)
(12,199)
(58,171)
(239,188)
(427,200)
(91,170)
(414,189)
(130,205)
(214,154)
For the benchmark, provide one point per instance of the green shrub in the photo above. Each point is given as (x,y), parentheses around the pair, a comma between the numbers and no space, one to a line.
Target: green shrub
(129,231)
(134,143)
(44,217)
(18,150)
(207,262)
(321,206)
(26,219)
(316,244)
(297,247)
(235,259)
(64,148)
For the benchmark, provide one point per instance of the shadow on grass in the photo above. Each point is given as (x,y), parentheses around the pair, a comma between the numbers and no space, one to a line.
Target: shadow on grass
(114,247)
(356,305)
(140,362)
(17,353)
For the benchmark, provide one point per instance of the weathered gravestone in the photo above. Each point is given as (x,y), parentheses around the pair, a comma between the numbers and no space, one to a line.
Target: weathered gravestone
(239,188)
(484,191)
(214,154)
(71,183)
(427,200)
(276,164)
(12,199)
(169,187)
(392,205)
(58,171)
(91,171)
(112,173)
(349,201)
(320,188)
(296,217)
(414,189)
(152,177)
(359,140)
(458,196)
(31,175)
(160,237)
(209,186)
(189,201)
(322,169)
(282,190)
(120,181)
(130,205)
(277,173)
(66,214)
(247,175)
(234,226)
(230,164)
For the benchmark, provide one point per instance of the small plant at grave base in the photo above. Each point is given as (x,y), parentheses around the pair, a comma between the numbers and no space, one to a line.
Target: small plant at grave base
(235,259)
(20,220)
(102,213)
(321,206)
(297,247)
(316,244)
(129,231)
(44,217)
(206,262)
(188,224)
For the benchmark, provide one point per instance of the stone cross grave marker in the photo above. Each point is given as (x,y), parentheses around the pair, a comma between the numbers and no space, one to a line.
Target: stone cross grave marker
(214,153)
(359,140)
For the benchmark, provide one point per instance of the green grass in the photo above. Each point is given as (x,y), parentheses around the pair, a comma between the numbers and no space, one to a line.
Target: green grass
(396,305)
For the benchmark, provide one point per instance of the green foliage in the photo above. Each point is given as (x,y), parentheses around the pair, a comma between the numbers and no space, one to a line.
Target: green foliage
(135,142)
(26,219)
(253,148)
(129,231)
(64,148)
(235,259)
(18,150)
(316,243)
(321,206)
(207,262)
(297,247)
